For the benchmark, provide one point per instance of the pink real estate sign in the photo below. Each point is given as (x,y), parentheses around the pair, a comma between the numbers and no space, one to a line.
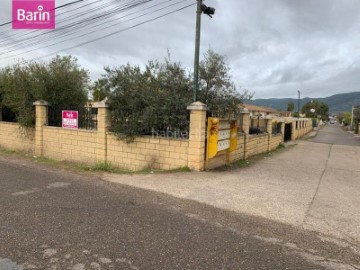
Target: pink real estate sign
(70,119)
(33,14)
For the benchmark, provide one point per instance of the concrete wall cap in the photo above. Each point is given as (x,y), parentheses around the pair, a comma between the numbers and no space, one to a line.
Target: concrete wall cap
(244,111)
(268,117)
(100,104)
(197,106)
(41,103)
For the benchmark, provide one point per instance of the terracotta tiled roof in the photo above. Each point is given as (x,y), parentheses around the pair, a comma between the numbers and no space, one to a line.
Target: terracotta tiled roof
(285,113)
(254,108)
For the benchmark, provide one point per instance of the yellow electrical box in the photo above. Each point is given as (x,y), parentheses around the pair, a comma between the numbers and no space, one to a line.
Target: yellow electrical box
(222,136)
(213,132)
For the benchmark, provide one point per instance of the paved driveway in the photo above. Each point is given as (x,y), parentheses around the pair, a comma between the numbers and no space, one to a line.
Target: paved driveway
(53,219)
(310,185)
(334,134)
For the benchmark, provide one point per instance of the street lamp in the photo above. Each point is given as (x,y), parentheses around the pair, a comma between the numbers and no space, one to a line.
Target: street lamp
(201,8)
(313,121)
(299,104)
(352,117)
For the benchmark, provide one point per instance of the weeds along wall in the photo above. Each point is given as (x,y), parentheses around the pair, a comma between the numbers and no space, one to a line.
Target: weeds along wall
(147,152)
(12,136)
(143,153)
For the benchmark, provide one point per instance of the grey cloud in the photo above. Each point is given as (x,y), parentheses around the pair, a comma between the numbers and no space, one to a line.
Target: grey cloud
(273,47)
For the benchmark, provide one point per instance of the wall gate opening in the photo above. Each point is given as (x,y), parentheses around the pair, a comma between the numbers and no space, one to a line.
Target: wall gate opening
(288,131)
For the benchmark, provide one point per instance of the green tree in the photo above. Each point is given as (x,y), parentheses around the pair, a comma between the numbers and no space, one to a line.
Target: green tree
(320,108)
(60,81)
(217,90)
(99,90)
(5,113)
(154,99)
(16,82)
(356,113)
(290,106)
(345,118)
(356,118)
(149,101)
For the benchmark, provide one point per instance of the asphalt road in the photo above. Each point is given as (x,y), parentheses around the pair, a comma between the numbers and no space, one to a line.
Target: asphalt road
(334,134)
(52,219)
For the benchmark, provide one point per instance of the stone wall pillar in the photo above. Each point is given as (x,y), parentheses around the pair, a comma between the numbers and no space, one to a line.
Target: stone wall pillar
(283,130)
(245,120)
(41,120)
(103,124)
(293,131)
(269,130)
(197,133)
(269,124)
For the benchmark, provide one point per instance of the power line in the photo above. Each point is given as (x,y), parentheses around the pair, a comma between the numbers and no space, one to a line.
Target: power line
(66,12)
(76,15)
(62,6)
(113,33)
(94,31)
(65,34)
(69,4)
(58,33)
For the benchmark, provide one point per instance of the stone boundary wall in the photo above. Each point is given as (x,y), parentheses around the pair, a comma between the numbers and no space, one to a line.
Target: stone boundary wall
(148,152)
(88,146)
(71,145)
(145,152)
(251,145)
(248,145)
(275,140)
(301,127)
(257,144)
(12,136)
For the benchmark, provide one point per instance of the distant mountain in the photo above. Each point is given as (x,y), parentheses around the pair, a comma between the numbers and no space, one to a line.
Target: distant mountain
(337,103)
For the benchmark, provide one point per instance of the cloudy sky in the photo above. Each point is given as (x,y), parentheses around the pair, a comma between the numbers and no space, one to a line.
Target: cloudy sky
(274,47)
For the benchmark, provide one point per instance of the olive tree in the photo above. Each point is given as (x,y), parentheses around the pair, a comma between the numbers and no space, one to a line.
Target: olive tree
(153,99)
(290,106)
(149,100)
(61,82)
(217,89)
(319,108)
